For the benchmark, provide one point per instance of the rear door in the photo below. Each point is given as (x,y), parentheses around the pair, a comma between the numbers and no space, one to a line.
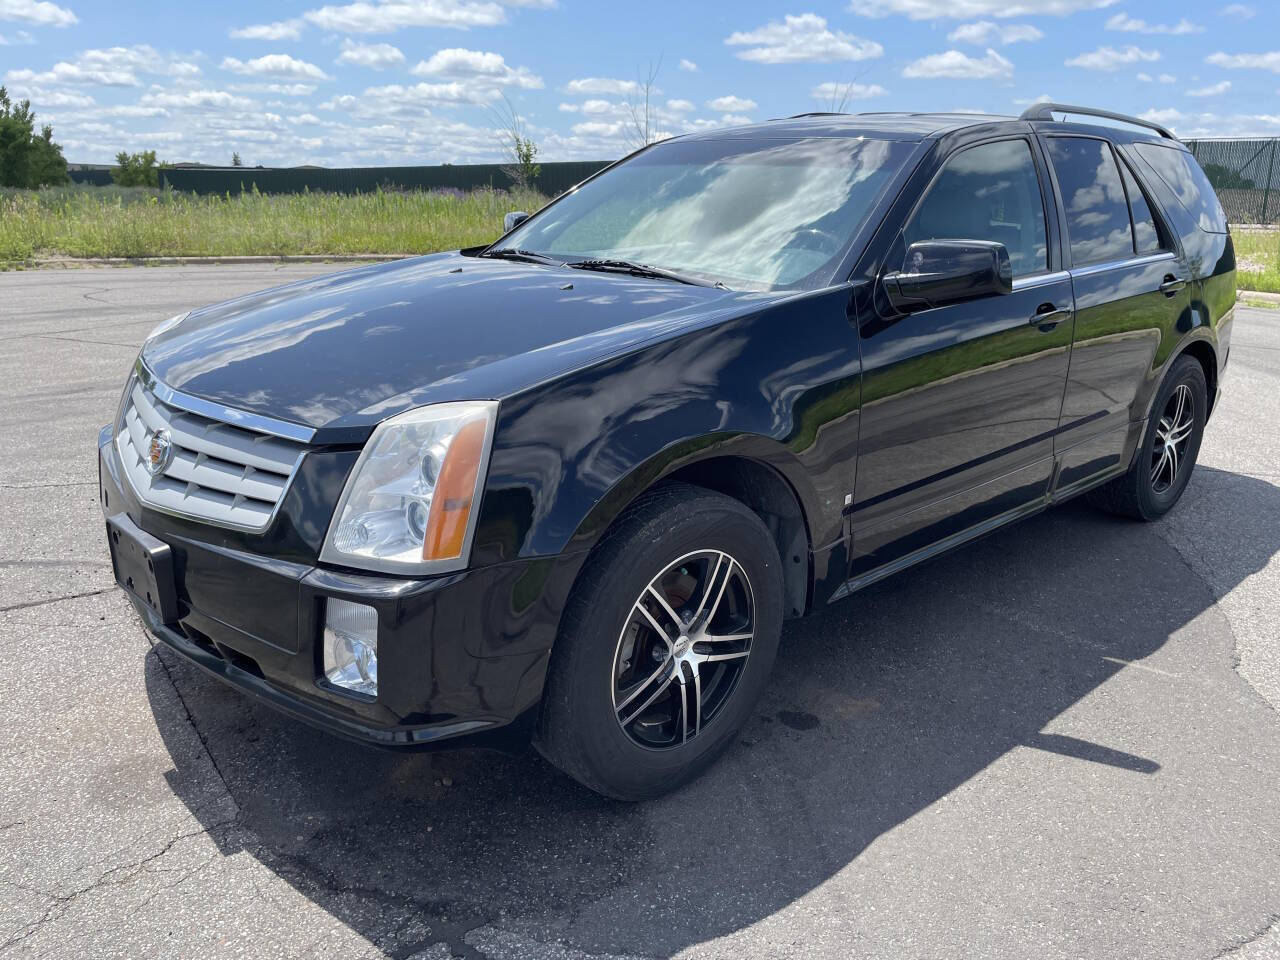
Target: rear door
(1130,284)
(960,402)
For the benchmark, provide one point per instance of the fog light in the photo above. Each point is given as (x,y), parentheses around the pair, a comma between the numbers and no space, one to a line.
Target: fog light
(351,646)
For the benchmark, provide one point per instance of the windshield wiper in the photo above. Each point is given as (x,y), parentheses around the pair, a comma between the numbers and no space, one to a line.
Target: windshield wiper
(515,253)
(642,270)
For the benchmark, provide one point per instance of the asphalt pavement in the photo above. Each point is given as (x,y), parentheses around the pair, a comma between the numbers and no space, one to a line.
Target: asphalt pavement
(1061,741)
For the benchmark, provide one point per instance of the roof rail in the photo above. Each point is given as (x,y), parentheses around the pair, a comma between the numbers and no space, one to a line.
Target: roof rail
(816,113)
(1045,111)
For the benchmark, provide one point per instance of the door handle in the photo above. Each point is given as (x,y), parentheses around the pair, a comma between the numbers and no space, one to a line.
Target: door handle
(1172,284)
(1047,316)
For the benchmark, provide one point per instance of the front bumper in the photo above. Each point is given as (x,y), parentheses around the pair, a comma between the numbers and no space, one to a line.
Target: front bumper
(461,657)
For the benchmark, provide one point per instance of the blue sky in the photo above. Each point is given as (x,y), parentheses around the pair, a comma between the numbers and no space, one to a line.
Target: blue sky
(370,82)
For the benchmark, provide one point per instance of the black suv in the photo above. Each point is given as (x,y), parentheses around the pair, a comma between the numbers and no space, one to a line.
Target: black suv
(566,488)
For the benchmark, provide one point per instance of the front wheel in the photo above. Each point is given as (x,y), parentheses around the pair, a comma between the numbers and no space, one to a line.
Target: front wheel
(666,644)
(1162,467)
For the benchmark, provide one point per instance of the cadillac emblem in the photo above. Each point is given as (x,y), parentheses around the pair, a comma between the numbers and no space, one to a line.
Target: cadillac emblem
(159,453)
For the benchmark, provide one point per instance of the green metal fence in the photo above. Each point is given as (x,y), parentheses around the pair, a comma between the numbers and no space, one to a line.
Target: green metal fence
(1246,175)
(554,179)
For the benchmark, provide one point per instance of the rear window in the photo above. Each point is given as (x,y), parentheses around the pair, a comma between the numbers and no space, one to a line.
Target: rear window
(1180,171)
(1097,209)
(1146,235)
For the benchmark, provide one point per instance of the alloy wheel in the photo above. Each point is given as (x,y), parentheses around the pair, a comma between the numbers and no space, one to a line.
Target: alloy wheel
(1173,433)
(682,649)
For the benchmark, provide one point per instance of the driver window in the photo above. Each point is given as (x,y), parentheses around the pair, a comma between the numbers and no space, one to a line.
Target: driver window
(987,192)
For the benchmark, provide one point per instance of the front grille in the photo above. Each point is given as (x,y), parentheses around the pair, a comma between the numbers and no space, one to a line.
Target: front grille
(219,472)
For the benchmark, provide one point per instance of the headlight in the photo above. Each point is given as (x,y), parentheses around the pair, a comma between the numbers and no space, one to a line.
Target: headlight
(164,326)
(411,502)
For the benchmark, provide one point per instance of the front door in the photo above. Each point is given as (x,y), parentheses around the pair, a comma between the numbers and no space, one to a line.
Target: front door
(960,402)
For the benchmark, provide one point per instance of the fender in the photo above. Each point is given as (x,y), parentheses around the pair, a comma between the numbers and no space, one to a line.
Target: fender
(780,386)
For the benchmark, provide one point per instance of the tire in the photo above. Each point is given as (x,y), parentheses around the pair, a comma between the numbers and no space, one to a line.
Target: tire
(1153,485)
(678,536)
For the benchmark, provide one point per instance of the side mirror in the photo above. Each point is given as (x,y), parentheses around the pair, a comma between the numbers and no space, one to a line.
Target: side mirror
(513,220)
(938,272)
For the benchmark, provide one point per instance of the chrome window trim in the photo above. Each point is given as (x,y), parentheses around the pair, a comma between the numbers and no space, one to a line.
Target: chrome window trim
(212,411)
(1093,268)
(216,411)
(1033,280)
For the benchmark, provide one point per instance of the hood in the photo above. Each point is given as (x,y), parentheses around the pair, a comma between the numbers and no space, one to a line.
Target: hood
(340,353)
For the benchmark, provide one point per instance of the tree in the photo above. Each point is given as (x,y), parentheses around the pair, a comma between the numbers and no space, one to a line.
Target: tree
(136,169)
(520,149)
(27,159)
(642,129)
(236,161)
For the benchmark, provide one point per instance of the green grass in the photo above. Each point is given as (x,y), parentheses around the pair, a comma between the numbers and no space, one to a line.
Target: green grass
(135,222)
(1257,260)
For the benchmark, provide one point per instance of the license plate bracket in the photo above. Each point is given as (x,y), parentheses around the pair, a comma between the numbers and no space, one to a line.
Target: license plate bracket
(143,567)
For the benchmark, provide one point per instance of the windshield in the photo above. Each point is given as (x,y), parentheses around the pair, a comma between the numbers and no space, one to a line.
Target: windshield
(752,214)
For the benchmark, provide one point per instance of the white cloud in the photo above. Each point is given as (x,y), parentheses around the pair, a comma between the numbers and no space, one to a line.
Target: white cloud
(688,66)
(598,128)
(1109,58)
(43,99)
(390,15)
(196,100)
(735,120)
(280,30)
(828,92)
(279,65)
(960,66)
(1215,124)
(732,104)
(968,9)
(282,89)
(110,67)
(477,65)
(1246,61)
(133,110)
(37,13)
(1163,78)
(681,106)
(802,38)
(304,118)
(1127,24)
(605,85)
(1214,90)
(428,93)
(376,56)
(20,39)
(984,33)
(1238,11)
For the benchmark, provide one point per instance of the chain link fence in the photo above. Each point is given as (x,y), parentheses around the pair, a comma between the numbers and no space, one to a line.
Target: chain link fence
(1246,175)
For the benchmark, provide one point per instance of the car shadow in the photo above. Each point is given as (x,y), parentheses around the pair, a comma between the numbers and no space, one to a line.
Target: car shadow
(881,706)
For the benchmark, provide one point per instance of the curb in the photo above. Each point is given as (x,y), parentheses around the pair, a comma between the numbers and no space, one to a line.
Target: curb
(1272,298)
(68,263)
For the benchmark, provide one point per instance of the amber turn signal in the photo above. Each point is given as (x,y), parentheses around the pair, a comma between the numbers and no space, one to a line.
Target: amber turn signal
(455,489)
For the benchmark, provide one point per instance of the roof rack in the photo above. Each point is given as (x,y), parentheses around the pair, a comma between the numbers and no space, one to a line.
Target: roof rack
(816,113)
(1045,111)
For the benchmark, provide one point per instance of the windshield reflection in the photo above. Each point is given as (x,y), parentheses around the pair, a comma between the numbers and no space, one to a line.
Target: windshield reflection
(753,214)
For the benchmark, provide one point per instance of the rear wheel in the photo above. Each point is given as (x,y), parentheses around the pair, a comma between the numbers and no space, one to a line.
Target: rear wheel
(666,645)
(1170,445)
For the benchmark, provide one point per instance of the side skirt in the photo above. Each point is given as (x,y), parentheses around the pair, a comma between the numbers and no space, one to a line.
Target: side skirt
(1055,496)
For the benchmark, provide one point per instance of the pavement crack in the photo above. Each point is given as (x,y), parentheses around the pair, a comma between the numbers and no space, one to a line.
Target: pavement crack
(42,486)
(1270,928)
(71,596)
(115,877)
(191,720)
